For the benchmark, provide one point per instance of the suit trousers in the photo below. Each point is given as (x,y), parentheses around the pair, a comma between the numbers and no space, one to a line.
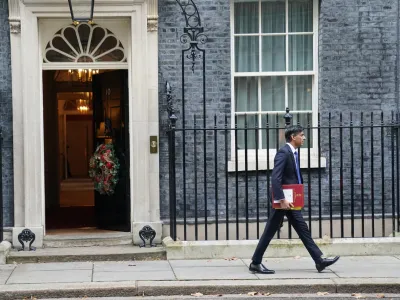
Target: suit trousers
(274,222)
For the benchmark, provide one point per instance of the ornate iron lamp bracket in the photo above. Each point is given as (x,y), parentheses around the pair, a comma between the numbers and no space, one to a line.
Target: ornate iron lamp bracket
(193,32)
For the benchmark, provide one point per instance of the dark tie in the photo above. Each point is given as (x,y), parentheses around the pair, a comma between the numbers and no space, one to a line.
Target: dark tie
(296,158)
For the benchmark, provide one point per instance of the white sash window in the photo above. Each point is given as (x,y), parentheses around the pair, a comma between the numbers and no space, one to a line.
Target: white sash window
(274,66)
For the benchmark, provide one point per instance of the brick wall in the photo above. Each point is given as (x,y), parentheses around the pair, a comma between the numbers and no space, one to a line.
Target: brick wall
(357,55)
(215,17)
(357,72)
(6,114)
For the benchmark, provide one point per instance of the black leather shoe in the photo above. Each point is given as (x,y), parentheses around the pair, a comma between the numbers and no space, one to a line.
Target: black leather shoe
(326,262)
(260,268)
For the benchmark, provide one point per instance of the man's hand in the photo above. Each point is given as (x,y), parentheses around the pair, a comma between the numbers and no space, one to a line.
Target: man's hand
(285,204)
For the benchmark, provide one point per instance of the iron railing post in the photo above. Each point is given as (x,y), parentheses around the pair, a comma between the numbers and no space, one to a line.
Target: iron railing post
(171,156)
(288,117)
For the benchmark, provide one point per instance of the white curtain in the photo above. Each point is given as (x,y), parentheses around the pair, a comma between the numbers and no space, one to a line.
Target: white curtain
(300,46)
(247,47)
(273,47)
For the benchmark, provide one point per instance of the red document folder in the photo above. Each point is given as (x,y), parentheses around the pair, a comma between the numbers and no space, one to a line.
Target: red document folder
(294,190)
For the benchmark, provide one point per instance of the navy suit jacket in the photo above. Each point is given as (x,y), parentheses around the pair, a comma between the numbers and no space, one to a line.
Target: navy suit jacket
(284,171)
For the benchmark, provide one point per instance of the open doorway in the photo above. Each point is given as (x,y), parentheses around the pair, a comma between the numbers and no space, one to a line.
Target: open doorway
(82,110)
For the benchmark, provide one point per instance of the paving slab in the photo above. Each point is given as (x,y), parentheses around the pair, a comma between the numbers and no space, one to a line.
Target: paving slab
(367,271)
(132,266)
(368,260)
(55,266)
(207,273)
(206,263)
(286,263)
(131,276)
(367,267)
(50,276)
(7,267)
(5,272)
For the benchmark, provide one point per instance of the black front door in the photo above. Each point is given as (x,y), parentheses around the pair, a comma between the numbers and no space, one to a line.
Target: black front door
(111,124)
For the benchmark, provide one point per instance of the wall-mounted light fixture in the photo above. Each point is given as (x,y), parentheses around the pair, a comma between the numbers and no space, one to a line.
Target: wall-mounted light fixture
(81,10)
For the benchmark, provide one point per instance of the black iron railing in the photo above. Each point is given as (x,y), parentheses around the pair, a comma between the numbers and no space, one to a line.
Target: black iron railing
(219,174)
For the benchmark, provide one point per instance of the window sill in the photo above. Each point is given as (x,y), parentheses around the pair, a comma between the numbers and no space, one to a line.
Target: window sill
(262,164)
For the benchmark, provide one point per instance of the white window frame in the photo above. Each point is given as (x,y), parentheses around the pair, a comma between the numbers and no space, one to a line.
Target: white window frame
(262,153)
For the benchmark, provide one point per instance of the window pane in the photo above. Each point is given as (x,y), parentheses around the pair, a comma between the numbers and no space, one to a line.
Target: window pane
(246,54)
(97,36)
(252,122)
(300,15)
(70,35)
(273,16)
(84,33)
(275,134)
(54,56)
(273,53)
(300,53)
(272,93)
(246,94)
(302,119)
(115,55)
(300,92)
(246,17)
(60,44)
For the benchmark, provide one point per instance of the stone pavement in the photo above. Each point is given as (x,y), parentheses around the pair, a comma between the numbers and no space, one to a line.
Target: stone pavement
(369,274)
(250,297)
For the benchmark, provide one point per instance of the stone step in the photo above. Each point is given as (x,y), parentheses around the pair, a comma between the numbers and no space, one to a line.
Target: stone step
(76,254)
(87,240)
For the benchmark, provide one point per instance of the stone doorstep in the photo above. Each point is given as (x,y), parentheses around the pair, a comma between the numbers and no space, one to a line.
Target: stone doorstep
(170,288)
(76,254)
(87,240)
(280,248)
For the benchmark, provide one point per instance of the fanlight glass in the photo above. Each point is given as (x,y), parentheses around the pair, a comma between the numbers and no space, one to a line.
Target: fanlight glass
(84,43)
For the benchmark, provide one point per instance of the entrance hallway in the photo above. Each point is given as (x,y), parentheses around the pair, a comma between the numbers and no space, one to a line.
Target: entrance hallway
(82,114)
(77,192)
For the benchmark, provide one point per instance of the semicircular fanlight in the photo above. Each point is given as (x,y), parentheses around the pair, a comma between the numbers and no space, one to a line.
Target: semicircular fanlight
(84,43)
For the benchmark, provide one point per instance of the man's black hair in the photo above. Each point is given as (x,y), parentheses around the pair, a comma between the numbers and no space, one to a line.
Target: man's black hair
(292,130)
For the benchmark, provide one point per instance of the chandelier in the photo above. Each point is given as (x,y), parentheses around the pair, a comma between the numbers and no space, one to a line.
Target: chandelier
(82,75)
(83,104)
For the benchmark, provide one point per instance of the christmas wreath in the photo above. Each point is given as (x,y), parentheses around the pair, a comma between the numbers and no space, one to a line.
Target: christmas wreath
(104,168)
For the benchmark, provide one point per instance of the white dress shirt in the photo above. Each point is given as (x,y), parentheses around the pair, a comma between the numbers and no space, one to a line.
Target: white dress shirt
(293,150)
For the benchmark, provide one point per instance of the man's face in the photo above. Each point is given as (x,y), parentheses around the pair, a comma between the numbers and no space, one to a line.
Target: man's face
(298,139)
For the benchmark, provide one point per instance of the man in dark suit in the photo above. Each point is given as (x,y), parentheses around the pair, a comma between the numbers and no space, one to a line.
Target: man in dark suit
(287,171)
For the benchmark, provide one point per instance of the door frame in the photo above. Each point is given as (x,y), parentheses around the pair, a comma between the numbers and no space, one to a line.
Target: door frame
(29,202)
(47,27)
